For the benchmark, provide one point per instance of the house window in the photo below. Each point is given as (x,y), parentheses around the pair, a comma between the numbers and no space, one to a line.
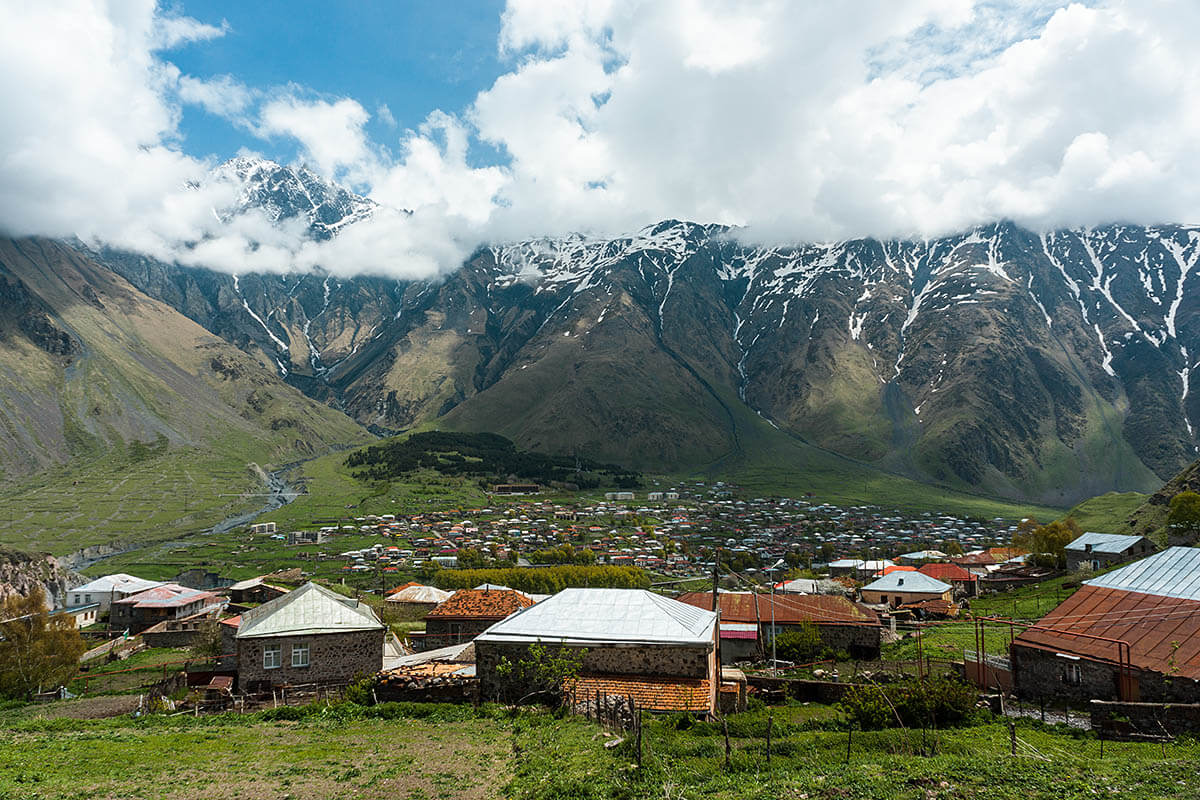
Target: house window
(300,655)
(1074,675)
(272,656)
(883,598)
(87,598)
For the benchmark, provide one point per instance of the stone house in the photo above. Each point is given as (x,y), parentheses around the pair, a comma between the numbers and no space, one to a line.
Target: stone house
(1131,634)
(166,602)
(843,624)
(1097,551)
(104,591)
(632,643)
(902,588)
(468,613)
(311,635)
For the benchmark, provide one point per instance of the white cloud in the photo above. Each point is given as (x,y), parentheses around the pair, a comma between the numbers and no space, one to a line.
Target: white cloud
(800,120)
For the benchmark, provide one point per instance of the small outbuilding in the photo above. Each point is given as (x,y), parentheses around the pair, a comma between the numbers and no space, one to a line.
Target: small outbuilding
(902,588)
(1097,551)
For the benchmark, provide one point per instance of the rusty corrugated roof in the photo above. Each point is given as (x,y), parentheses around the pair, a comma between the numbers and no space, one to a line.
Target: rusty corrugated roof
(1163,633)
(481,604)
(790,609)
(649,693)
(947,572)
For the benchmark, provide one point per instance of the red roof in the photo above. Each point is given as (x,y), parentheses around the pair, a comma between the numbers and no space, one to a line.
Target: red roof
(401,588)
(896,568)
(947,573)
(649,693)
(169,595)
(1163,633)
(480,604)
(790,609)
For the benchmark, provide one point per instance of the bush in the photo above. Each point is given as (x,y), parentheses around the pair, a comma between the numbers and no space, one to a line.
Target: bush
(800,644)
(934,703)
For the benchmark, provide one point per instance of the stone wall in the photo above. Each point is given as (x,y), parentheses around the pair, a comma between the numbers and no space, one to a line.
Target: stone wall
(1040,674)
(333,658)
(1136,720)
(650,660)
(860,641)
(900,597)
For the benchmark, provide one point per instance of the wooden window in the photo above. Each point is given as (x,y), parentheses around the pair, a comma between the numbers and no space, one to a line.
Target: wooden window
(300,655)
(272,656)
(1074,675)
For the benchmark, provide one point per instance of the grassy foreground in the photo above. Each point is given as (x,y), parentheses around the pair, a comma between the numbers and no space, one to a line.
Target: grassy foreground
(430,751)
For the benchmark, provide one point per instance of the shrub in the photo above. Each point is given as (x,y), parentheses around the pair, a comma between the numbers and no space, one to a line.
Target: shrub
(934,703)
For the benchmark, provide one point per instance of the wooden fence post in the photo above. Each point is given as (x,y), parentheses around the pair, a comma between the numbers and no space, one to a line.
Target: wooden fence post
(725,730)
(1012,738)
(770,723)
(638,724)
(849,739)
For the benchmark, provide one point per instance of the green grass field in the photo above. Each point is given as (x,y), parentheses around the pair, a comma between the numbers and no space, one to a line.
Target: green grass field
(1108,513)
(413,751)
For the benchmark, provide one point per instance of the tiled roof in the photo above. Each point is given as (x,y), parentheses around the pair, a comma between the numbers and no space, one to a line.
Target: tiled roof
(649,693)
(947,572)
(1163,633)
(790,609)
(481,604)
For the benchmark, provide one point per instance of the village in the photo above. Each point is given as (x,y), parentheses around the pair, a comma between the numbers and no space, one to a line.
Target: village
(735,600)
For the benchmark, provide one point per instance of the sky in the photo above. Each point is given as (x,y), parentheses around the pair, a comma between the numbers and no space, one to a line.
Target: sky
(475,122)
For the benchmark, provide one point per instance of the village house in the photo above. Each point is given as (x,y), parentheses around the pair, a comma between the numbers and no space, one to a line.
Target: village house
(103,591)
(965,583)
(254,591)
(903,588)
(1097,551)
(309,635)
(1131,634)
(416,599)
(633,643)
(468,613)
(843,625)
(166,602)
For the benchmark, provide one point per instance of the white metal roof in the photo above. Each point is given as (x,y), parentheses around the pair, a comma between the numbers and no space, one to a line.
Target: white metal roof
(903,581)
(1104,542)
(117,582)
(606,616)
(1175,572)
(420,594)
(308,610)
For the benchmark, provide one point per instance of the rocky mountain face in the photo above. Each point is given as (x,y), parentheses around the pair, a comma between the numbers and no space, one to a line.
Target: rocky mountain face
(1047,367)
(21,573)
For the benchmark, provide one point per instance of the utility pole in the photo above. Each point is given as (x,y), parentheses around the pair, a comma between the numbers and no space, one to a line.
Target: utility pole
(716,604)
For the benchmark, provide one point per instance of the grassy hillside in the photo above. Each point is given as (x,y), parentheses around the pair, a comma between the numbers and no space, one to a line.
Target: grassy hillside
(1108,513)
(121,420)
(429,751)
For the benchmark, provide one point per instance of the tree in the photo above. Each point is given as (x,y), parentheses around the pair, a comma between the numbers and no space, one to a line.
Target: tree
(799,644)
(1048,543)
(952,547)
(545,673)
(38,652)
(1183,520)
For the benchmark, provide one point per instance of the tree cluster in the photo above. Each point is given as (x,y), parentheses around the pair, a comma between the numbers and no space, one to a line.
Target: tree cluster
(544,580)
(1047,543)
(484,455)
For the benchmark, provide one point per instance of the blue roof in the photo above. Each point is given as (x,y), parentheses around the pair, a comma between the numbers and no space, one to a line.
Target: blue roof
(1175,572)
(903,581)
(1104,542)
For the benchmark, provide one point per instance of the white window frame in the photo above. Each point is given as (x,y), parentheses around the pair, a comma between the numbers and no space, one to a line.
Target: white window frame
(298,650)
(272,656)
(1074,674)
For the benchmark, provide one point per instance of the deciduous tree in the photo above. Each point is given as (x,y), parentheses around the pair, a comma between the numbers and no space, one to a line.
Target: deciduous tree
(38,651)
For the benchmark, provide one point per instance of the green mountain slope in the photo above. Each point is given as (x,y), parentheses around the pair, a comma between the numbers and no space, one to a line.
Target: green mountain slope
(121,419)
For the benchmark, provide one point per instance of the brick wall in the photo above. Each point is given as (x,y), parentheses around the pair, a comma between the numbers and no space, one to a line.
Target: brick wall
(656,661)
(333,658)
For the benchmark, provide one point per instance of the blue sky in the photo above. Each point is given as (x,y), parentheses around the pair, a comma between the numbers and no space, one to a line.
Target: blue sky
(413,57)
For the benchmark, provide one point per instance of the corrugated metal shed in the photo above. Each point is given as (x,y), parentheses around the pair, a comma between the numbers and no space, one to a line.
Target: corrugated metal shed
(311,609)
(606,616)
(1103,543)
(1175,572)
